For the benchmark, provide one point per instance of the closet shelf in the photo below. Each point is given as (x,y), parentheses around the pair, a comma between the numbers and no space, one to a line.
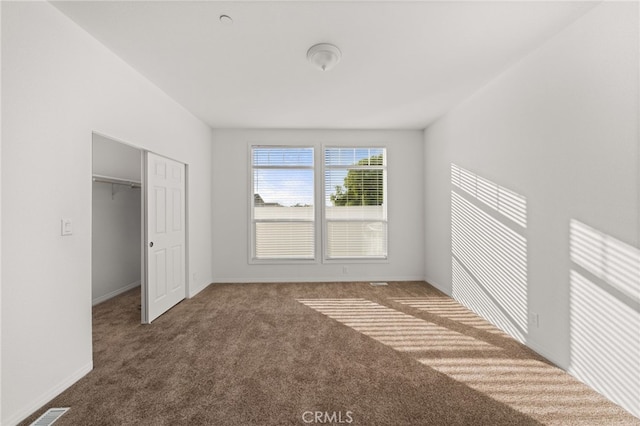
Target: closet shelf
(116,181)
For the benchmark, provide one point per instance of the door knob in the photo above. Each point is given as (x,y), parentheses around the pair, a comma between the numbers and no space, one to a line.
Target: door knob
(151,244)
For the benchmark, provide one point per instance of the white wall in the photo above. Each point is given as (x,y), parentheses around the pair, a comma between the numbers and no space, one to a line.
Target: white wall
(231,206)
(115,159)
(561,130)
(59,85)
(1,137)
(116,224)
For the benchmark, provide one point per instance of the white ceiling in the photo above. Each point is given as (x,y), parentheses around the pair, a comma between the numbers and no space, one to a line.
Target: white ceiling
(404,63)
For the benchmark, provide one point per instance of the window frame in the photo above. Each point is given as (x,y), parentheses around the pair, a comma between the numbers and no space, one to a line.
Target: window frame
(251,203)
(325,222)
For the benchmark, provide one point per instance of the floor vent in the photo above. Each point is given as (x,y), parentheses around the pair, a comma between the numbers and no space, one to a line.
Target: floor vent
(50,417)
(378,284)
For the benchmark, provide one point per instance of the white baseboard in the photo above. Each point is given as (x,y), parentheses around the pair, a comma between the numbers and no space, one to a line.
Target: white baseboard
(433,283)
(115,293)
(534,346)
(252,280)
(48,396)
(193,291)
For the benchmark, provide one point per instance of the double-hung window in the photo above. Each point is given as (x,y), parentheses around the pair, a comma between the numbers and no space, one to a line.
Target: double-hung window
(355,203)
(282,203)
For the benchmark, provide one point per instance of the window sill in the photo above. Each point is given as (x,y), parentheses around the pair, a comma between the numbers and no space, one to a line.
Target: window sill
(356,260)
(253,261)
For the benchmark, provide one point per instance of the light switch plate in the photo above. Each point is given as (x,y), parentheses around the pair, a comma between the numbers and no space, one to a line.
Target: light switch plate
(66,227)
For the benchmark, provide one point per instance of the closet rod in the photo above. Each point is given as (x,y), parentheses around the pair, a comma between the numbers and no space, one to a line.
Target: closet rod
(116,181)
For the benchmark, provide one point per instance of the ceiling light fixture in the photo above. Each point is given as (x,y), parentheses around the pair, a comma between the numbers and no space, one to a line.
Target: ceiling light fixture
(324,56)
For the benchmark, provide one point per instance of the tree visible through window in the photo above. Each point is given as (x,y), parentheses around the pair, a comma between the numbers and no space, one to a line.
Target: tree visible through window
(362,187)
(355,203)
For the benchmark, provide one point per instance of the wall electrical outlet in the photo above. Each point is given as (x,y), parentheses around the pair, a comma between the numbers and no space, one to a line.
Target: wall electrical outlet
(345,269)
(66,227)
(534,319)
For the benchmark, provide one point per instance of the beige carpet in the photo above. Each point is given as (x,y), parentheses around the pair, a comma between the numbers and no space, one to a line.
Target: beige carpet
(338,353)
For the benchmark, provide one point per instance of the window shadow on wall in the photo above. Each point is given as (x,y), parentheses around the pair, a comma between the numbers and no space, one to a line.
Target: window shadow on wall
(604,307)
(489,251)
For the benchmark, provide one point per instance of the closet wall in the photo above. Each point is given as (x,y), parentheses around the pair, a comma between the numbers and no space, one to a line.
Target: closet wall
(116,224)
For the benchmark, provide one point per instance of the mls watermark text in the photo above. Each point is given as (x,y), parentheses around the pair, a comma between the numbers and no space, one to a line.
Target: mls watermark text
(327,417)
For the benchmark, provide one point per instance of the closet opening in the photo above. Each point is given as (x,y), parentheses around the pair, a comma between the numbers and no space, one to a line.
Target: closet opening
(139,227)
(117,220)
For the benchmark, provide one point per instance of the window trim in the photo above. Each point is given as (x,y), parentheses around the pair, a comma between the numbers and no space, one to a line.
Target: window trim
(323,218)
(252,259)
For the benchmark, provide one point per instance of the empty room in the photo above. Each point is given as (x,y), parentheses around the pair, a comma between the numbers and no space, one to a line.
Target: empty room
(320,212)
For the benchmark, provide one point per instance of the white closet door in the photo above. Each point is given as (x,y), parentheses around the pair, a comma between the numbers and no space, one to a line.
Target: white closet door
(165,235)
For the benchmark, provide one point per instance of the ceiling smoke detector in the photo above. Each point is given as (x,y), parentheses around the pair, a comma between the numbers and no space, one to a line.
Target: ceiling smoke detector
(324,56)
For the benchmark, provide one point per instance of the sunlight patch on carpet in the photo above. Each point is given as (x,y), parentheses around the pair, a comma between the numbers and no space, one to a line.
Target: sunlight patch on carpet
(393,328)
(448,308)
(530,386)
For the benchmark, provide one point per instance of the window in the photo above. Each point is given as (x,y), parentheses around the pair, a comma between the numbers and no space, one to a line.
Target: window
(355,204)
(282,203)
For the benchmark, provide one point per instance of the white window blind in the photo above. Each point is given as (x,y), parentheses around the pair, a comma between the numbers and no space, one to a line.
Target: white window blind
(355,205)
(282,203)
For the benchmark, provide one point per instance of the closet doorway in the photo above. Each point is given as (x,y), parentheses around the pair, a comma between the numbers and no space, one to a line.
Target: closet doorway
(116,226)
(138,226)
